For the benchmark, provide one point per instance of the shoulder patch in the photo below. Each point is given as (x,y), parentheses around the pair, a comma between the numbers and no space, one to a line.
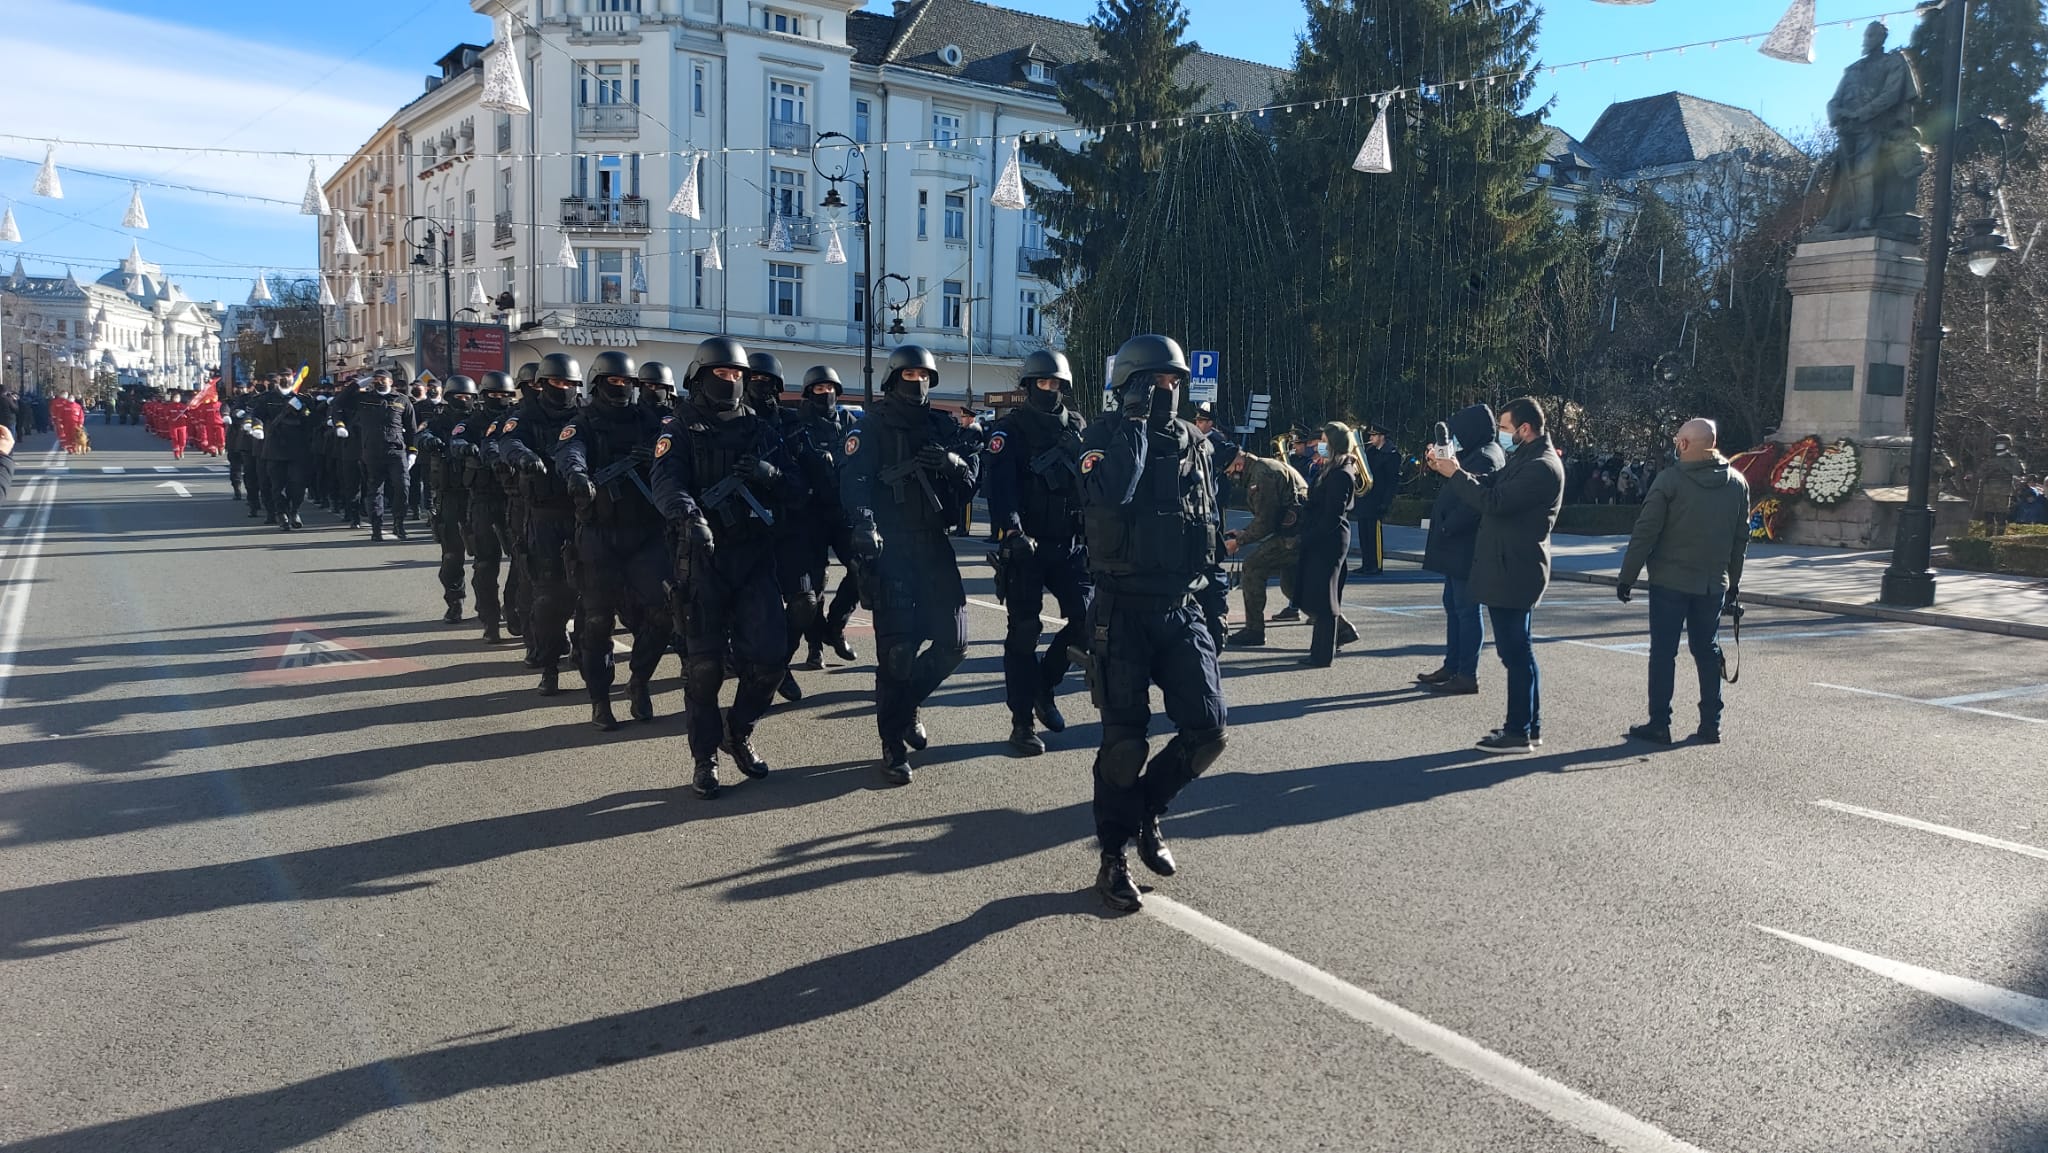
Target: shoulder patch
(457,430)
(510,425)
(568,432)
(996,442)
(662,446)
(852,443)
(1090,459)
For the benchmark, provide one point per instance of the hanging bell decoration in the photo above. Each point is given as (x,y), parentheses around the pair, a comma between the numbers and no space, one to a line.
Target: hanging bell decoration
(689,201)
(354,295)
(567,256)
(10,233)
(1375,155)
(314,202)
(344,238)
(835,252)
(47,183)
(504,88)
(326,294)
(712,260)
(639,274)
(1009,191)
(477,299)
(1792,40)
(136,218)
(779,239)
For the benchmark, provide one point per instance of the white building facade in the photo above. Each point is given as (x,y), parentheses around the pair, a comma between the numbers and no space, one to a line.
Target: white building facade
(132,322)
(628,94)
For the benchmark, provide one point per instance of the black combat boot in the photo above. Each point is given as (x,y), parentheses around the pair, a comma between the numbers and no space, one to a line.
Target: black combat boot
(895,765)
(844,651)
(815,659)
(743,755)
(640,705)
(550,680)
(491,634)
(1248,637)
(601,717)
(789,690)
(705,779)
(1048,713)
(916,736)
(454,614)
(1023,739)
(514,626)
(1113,883)
(1346,632)
(1152,849)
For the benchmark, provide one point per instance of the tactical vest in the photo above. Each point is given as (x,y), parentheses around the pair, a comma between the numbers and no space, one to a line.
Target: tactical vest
(1167,528)
(1049,499)
(610,436)
(713,450)
(540,430)
(903,507)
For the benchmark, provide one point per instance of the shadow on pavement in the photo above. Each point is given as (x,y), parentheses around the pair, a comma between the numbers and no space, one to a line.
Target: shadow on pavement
(302,1112)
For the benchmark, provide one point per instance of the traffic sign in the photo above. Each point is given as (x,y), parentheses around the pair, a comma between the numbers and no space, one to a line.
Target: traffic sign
(1206,368)
(1255,412)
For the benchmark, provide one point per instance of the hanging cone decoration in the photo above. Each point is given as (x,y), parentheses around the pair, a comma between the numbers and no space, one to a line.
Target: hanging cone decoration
(314,203)
(326,294)
(136,218)
(261,293)
(835,252)
(778,237)
(354,295)
(47,183)
(639,274)
(477,299)
(1792,40)
(1009,191)
(567,257)
(689,202)
(504,88)
(134,261)
(1375,155)
(9,232)
(712,260)
(345,238)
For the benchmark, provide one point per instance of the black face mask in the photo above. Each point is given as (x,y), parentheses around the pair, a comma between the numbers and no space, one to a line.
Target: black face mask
(919,392)
(556,400)
(764,392)
(496,402)
(1163,407)
(655,397)
(1044,399)
(821,405)
(612,394)
(459,402)
(719,395)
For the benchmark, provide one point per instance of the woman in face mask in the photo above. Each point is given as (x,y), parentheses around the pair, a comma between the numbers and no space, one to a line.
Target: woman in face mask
(1326,540)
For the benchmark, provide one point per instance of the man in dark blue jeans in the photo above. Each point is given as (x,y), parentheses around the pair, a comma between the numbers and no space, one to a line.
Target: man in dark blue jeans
(1453,536)
(1517,507)
(1692,533)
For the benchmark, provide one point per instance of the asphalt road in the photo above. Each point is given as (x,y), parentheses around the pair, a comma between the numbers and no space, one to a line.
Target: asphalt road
(286,863)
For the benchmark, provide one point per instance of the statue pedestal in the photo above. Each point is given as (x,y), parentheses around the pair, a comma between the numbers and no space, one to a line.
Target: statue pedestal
(1853,303)
(1869,518)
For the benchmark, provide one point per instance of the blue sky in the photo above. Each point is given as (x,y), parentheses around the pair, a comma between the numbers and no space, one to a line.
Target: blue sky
(299,76)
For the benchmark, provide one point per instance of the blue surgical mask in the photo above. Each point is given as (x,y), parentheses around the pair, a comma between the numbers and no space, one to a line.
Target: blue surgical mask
(1507,440)
(1323,451)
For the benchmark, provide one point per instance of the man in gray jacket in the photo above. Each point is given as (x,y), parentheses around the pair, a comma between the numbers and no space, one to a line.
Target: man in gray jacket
(1691,533)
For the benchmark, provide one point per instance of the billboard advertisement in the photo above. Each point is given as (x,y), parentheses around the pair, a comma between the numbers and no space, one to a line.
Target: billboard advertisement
(479,348)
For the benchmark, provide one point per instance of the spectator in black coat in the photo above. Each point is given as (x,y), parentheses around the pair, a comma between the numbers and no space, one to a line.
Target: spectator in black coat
(1326,539)
(1383,464)
(1453,535)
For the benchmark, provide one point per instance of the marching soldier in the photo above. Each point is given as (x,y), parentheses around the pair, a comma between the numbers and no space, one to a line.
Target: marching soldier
(721,479)
(1148,507)
(800,601)
(604,459)
(518,588)
(1031,476)
(288,435)
(344,466)
(383,426)
(824,430)
(449,514)
(525,442)
(657,388)
(474,450)
(236,411)
(902,482)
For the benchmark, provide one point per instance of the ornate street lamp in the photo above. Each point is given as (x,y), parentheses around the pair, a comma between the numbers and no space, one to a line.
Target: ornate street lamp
(852,153)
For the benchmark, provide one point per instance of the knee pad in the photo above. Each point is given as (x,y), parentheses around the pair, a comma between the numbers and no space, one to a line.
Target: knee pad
(896,661)
(946,657)
(1204,747)
(1120,760)
(705,670)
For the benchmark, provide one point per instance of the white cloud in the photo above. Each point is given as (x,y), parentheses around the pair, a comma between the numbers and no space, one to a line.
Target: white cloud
(85,73)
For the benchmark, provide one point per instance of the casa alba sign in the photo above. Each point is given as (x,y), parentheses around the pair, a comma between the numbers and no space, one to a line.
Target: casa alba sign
(581,337)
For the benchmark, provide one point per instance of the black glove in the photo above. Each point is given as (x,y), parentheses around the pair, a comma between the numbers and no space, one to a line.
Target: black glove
(461,449)
(531,465)
(1730,603)
(754,470)
(864,538)
(942,462)
(644,454)
(1624,591)
(694,546)
(582,489)
(1018,548)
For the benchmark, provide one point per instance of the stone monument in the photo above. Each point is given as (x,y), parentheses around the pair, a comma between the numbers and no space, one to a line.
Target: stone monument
(1855,284)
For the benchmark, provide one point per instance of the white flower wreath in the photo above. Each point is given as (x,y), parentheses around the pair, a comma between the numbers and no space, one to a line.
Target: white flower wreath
(1834,476)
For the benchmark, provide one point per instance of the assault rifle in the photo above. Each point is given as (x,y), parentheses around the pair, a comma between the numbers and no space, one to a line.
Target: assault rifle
(719,499)
(624,466)
(1058,456)
(911,468)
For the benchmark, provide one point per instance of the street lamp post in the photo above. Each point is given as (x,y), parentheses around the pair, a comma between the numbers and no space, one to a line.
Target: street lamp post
(867,243)
(422,258)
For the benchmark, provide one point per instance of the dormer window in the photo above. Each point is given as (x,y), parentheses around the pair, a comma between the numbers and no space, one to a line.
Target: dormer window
(787,23)
(1038,72)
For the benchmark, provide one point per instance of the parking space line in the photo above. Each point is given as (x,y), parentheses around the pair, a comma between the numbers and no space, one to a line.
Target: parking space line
(1938,830)
(1999,695)
(2022,1012)
(1553,1099)
(1936,704)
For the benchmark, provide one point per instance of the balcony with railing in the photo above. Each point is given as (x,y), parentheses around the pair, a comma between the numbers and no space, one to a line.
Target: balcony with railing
(608,119)
(606,26)
(593,215)
(790,134)
(501,228)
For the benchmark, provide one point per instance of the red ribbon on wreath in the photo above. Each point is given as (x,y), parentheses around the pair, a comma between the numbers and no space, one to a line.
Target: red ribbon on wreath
(1756,464)
(1788,476)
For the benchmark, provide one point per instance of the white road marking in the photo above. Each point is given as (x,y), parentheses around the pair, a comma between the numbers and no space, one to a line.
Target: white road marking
(1999,695)
(1936,704)
(14,600)
(2028,1014)
(1056,622)
(112,468)
(1559,1102)
(175,487)
(27,492)
(163,468)
(1939,830)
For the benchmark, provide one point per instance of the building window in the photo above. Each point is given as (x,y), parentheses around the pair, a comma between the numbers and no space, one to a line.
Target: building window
(787,100)
(468,224)
(697,280)
(860,304)
(1033,233)
(786,23)
(945,128)
(505,275)
(1038,72)
(607,176)
(1027,312)
(863,119)
(786,191)
(956,216)
(785,290)
(924,201)
(599,276)
(610,82)
(697,89)
(950,304)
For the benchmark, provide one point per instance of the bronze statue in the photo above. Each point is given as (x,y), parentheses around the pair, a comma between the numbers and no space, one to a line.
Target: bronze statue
(1876,169)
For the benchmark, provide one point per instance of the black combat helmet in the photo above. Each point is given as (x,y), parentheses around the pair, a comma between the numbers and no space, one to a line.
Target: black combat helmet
(460,386)
(1045,364)
(823,374)
(764,380)
(613,380)
(496,383)
(655,374)
(528,373)
(912,356)
(559,366)
(717,352)
(1138,359)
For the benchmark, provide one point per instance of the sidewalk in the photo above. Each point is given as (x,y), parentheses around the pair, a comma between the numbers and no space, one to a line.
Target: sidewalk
(1816,580)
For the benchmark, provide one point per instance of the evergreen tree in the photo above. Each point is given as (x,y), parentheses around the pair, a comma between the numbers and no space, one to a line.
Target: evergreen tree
(2005,65)
(1142,45)
(1411,311)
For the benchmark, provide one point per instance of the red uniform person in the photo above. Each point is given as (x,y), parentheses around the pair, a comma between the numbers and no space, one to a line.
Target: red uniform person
(203,420)
(176,426)
(69,417)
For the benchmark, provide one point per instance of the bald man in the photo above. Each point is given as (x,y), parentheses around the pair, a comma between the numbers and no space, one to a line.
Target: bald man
(1692,533)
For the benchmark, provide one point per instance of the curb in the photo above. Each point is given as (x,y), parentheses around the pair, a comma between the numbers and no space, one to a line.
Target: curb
(1839,608)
